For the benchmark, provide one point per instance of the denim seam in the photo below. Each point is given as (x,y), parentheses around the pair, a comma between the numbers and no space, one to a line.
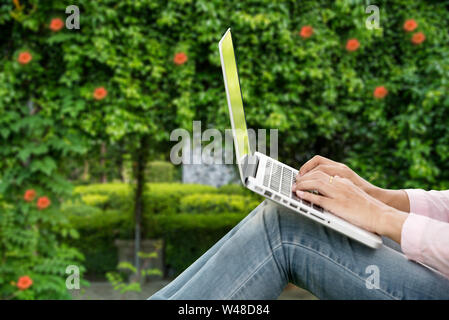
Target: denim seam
(340,265)
(270,241)
(252,273)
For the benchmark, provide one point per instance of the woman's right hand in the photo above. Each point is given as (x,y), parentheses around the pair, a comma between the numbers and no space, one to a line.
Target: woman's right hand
(394,198)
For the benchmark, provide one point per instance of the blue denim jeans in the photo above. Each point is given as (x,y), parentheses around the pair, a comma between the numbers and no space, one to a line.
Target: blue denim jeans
(273,246)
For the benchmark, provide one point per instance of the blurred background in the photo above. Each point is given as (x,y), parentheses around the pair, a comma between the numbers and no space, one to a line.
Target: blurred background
(86,115)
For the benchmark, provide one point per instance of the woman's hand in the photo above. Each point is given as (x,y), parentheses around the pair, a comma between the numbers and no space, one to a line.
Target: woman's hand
(394,198)
(345,199)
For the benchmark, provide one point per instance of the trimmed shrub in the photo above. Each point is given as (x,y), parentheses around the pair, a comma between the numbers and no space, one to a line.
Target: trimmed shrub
(237,189)
(118,195)
(98,229)
(175,212)
(96,200)
(217,203)
(164,198)
(188,236)
(158,197)
(160,171)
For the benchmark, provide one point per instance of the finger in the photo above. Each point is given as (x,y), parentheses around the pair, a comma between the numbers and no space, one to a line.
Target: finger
(323,188)
(314,174)
(329,169)
(316,199)
(312,163)
(342,182)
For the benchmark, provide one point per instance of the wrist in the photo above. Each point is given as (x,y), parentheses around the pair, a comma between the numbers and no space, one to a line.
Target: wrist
(390,222)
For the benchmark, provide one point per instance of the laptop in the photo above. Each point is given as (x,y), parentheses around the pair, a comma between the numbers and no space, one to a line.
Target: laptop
(265,175)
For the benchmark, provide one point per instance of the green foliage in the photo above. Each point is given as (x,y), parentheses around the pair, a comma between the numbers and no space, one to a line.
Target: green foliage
(170,207)
(311,87)
(161,198)
(30,245)
(165,198)
(98,229)
(188,236)
(160,171)
(118,279)
(319,96)
(216,203)
(95,200)
(116,196)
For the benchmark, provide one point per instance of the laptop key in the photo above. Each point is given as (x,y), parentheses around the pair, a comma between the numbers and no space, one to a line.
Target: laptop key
(307,203)
(267,174)
(317,207)
(276,177)
(285,183)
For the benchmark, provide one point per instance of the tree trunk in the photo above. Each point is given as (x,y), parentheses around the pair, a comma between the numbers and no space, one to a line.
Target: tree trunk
(141,159)
(86,170)
(104,177)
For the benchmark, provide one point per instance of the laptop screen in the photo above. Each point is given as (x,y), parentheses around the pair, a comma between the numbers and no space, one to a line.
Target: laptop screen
(234,96)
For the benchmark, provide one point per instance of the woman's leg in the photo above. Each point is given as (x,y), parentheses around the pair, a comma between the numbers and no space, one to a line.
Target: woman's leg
(179,282)
(274,246)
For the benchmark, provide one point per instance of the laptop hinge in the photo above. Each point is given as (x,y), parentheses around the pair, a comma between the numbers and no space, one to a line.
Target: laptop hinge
(250,166)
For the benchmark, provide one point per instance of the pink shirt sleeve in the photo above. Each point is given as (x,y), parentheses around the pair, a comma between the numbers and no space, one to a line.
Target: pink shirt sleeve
(432,204)
(425,233)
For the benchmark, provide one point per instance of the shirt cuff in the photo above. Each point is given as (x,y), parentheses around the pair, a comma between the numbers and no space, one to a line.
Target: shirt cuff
(418,201)
(411,236)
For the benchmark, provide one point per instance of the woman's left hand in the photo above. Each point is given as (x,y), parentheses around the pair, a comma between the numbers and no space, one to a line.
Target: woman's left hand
(344,199)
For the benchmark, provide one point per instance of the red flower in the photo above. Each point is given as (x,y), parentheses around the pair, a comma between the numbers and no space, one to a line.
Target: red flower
(100,93)
(56,24)
(306,32)
(43,202)
(29,195)
(180,58)
(380,92)
(352,45)
(24,283)
(418,38)
(410,25)
(24,57)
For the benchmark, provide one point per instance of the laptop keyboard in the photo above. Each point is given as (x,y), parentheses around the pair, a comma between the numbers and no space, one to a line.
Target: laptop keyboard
(281,179)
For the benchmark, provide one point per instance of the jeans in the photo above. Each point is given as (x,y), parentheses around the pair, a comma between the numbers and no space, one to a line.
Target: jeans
(273,246)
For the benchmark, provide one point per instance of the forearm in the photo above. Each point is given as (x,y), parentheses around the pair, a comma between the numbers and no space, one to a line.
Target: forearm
(397,199)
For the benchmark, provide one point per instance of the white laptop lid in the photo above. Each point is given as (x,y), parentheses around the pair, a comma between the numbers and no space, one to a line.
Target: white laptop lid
(235,101)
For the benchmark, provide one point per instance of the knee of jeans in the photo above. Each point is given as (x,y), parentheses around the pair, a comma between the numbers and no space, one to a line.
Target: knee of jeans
(293,225)
(272,213)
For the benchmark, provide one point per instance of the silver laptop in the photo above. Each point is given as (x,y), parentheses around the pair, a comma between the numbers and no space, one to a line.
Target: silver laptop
(267,176)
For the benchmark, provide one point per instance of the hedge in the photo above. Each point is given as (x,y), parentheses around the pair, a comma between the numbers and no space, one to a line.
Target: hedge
(188,236)
(216,203)
(98,229)
(190,218)
(160,171)
(159,198)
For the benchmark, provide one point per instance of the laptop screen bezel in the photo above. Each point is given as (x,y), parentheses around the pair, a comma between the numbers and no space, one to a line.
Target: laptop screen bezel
(240,158)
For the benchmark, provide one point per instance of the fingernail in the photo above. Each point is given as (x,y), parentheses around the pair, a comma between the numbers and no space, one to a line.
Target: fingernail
(299,193)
